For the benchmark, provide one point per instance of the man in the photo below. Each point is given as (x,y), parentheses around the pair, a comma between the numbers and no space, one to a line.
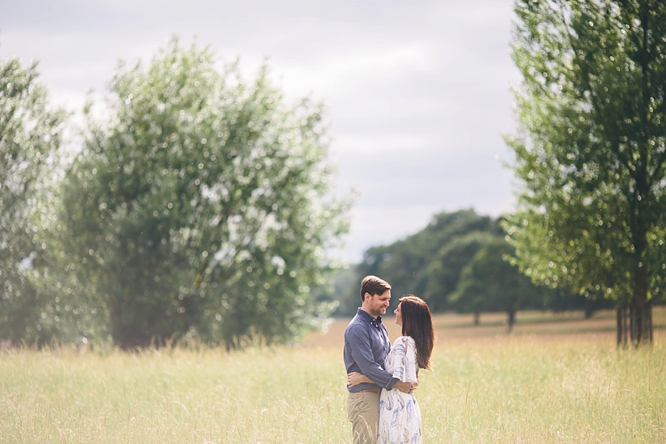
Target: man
(366,347)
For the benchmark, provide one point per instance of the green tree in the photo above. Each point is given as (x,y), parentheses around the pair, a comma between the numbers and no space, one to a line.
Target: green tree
(444,271)
(489,283)
(30,135)
(590,153)
(202,207)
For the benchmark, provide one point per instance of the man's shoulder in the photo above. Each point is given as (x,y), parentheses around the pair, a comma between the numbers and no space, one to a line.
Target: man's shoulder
(357,324)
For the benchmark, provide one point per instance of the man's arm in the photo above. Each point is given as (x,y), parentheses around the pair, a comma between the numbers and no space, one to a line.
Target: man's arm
(356,378)
(364,358)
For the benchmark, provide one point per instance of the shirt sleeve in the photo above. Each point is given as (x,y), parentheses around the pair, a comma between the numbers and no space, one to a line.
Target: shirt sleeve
(362,354)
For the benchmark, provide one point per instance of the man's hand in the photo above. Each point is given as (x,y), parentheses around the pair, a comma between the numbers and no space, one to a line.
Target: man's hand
(405,387)
(355,378)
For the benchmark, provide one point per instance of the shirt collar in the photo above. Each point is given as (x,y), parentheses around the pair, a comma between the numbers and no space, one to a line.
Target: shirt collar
(375,322)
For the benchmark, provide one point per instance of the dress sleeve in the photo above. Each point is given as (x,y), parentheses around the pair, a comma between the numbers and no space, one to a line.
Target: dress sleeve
(404,350)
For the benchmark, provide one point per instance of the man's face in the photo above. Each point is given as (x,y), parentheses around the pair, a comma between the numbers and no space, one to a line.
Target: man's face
(377,304)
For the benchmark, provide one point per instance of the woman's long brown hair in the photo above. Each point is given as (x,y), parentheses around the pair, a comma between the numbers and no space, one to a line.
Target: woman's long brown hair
(417,323)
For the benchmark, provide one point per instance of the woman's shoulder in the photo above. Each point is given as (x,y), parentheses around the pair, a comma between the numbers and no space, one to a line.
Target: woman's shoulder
(402,339)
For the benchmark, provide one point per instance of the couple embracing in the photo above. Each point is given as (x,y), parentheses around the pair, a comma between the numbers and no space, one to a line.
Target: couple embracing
(381,379)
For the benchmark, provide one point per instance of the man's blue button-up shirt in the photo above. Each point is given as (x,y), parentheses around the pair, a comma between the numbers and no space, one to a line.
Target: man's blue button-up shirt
(366,347)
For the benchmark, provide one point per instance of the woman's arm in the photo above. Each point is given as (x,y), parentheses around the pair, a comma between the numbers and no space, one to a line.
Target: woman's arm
(355,378)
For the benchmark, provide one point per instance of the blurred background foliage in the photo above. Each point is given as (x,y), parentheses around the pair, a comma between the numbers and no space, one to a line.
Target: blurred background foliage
(199,205)
(30,135)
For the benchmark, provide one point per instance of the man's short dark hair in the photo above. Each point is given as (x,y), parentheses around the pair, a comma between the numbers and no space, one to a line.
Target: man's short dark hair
(373,286)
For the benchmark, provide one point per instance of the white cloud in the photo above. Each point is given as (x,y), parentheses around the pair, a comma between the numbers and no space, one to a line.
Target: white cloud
(382,143)
(341,74)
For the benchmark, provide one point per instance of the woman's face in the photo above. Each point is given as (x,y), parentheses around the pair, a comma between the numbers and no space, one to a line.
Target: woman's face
(398,315)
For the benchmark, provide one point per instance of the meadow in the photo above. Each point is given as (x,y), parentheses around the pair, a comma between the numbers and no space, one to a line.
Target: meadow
(555,379)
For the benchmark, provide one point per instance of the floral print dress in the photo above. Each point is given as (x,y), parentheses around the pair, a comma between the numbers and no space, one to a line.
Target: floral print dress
(399,414)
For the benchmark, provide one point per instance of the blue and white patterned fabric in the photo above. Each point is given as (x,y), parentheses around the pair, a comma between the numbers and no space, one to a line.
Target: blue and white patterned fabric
(399,414)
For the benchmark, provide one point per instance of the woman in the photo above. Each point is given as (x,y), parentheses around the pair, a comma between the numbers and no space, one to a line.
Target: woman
(399,414)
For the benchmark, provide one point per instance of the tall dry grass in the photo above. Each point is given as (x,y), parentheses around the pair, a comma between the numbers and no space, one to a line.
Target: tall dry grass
(521,388)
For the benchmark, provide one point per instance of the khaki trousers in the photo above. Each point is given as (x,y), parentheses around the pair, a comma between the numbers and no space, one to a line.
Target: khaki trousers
(363,412)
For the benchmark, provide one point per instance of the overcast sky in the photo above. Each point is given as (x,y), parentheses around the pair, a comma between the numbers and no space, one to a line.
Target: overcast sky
(417,92)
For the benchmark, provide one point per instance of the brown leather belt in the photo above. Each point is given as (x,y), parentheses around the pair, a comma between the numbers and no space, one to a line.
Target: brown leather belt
(373,390)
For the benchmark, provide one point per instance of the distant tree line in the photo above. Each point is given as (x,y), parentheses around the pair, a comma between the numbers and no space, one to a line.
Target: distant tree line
(460,262)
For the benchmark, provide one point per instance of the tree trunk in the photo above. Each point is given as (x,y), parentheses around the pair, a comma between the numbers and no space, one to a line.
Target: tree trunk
(622,326)
(477,315)
(640,311)
(641,324)
(511,318)
(641,314)
(634,325)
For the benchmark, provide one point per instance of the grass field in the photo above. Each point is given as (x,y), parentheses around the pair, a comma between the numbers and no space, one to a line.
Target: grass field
(556,379)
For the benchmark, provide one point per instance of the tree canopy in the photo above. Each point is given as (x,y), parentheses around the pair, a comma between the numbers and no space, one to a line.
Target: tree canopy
(200,205)
(590,153)
(444,271)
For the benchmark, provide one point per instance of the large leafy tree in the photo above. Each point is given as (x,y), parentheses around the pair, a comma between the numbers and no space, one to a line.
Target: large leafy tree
(202,206)
(590,154)
(30,135)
